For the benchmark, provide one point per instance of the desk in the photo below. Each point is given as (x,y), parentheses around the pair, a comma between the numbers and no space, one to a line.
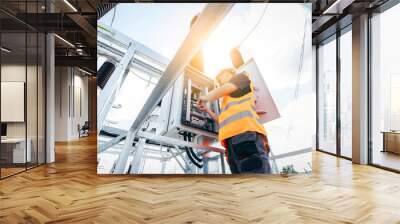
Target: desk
(13,150)
(391,141)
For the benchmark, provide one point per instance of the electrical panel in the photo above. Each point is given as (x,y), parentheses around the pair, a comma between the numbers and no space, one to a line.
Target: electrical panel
(179,112)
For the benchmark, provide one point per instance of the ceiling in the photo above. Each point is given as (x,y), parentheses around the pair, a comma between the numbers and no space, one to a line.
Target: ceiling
(329,16)
(74,22)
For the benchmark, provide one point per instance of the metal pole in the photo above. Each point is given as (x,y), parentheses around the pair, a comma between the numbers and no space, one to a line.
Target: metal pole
(338,97)
(274,164)
(222,163)
(120,163)
(137,158)
(110,91)
(163,161)
(111,143)
(179,162)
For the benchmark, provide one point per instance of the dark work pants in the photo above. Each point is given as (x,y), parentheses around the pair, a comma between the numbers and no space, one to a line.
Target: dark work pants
(246,154)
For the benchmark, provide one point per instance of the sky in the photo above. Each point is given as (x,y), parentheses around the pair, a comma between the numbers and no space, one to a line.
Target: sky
(163,27)
(275,45)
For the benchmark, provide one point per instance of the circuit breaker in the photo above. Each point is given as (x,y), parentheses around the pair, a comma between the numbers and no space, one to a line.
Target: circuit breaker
(179,112)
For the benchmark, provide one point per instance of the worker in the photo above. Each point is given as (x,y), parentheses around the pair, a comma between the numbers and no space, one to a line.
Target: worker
(240,132)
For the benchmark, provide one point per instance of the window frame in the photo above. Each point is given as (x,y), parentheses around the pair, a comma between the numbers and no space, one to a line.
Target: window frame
(334,37)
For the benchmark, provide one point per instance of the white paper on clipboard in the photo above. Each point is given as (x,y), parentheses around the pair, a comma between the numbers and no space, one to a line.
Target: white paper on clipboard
(265,105)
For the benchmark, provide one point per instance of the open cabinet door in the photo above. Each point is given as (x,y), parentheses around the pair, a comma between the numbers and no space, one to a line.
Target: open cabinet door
(265,104)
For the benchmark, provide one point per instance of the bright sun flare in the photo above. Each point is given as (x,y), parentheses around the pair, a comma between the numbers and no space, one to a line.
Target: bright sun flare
(216,52)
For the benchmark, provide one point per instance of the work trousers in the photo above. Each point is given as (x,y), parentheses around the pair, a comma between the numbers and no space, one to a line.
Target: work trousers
(247,154)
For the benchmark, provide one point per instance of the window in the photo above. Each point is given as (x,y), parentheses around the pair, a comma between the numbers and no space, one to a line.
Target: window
(394,102)
(327,96)
(385,89)
(346,94)
(22,78)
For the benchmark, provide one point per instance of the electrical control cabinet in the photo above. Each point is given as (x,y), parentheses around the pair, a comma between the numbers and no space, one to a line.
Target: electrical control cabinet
(179,112)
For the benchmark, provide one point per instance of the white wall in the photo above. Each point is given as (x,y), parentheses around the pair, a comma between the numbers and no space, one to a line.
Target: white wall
(71,102)
(12,73)
(81,94)
(33,126)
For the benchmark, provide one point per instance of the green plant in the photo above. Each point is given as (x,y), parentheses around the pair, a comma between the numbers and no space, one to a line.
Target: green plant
(287,170)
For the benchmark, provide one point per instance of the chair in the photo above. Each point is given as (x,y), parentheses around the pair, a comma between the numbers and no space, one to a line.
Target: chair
(84,130)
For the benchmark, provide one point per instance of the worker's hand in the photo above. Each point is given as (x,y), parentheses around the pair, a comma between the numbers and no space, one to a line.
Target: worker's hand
(201,103)
(202,106)
(203,99)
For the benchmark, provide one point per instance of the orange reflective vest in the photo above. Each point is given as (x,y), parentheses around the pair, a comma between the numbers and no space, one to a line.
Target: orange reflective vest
(238,115)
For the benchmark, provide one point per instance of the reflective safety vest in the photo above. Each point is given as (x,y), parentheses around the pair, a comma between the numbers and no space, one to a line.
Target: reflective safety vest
(238,115)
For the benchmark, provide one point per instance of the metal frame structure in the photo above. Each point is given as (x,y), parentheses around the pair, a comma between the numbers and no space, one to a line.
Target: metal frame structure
(208,19)
(129,54)
(116,46)
(111,47)
(336,38)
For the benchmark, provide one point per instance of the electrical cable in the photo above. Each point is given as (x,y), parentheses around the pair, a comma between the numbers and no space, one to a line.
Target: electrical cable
(113,17)
(192,151)
(255,26)
(187,150)
(300,68)
(299,71)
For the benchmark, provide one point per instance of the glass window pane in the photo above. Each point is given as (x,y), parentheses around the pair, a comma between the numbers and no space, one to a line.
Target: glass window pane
(41,99)
(385,89)
(31,97)
(32,91)
(346,94)
(13,86)
(327,96)
(23,89)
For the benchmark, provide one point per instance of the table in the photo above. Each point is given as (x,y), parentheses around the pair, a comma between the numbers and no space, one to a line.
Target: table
(391,141)
(13,150)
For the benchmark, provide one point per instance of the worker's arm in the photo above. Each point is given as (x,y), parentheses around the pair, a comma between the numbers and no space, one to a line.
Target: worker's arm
(215,94)
(202,106)
(224,90)
(212,115)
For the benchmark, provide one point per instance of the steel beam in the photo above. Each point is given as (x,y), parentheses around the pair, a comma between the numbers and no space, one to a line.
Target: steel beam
(174,141)
(111,143)
(274,167)
(86,26)
(110,91)
(85,61)
(320,22)
(292,153)
(137,157)
(119,39)
(338,6)
(179,162)
(207,21)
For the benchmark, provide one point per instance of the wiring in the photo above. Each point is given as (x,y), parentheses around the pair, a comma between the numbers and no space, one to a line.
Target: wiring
(299,72)
(255,26)
(300,68)
(190,153)
(113,17)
